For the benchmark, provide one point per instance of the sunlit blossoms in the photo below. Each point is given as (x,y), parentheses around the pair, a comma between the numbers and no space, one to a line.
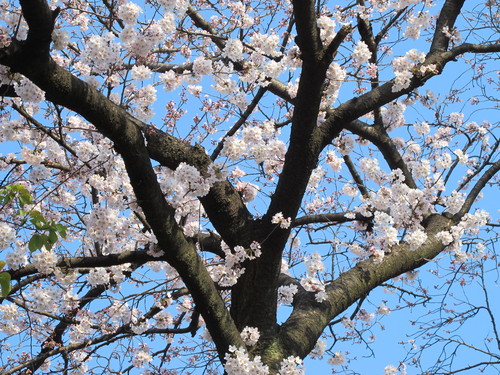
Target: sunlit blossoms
(336,76)
(10,323)
(238,362)
(327,28)
(454,202)
(416,23)
(247,190)
(101,51)
(265,44)
(29,92)
(403,66)
(142,356)
(383,310)
(17,258)
(337,359)
(286,293)
(250,335)
(416,238)
(141,72)
(129,12)
(45,261)
(283,222)
(319,348)
(202,66)
(98,276)
(361,53)
(60,38)
(7,235)
(233,50)
(292,366)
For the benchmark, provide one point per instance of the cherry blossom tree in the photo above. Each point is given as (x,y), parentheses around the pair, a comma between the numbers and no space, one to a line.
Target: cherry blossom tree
(238,185)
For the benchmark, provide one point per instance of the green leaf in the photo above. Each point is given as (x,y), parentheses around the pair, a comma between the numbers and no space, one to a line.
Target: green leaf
(7,198)
(25,197)
(52,237)
(37,220)
(5,283)
(36,215)
(47,242)
(61,229)
(16,188)
(2,264)
(36,242)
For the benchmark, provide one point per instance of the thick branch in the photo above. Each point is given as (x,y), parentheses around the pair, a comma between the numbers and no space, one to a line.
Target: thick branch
(355,175)
(385,144)
(306,323)
(332,48)
(366,32)
(137,257)
(478,187)
(40,19)
(307,37)
(8,91)
(447,16)
(334,218)
(46,163)
(474,48)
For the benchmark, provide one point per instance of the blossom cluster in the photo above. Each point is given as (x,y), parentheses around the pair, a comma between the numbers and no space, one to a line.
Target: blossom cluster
(106,227)
(361,53)
(311,283)
(182,186)
(227,273)
(337,359)
(44,261)
(101,52)
(60,38)
(238,362)
(292,366)
(17,258)
(286,293)
(393,115)
(416,23)
(468,226)
(142,356)
(403,69)
(319,349)
(393,208)
(247,190)
(7,235)
(250,335)
(283,222)
(11,321)
(336,75)
(233,50)
(28,91)
(327,27)
(261,143)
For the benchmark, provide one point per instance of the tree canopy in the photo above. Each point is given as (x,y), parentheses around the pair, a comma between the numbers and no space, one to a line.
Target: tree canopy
(190,186)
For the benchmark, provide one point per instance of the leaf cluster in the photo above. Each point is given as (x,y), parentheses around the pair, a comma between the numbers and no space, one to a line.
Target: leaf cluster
(47,232)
